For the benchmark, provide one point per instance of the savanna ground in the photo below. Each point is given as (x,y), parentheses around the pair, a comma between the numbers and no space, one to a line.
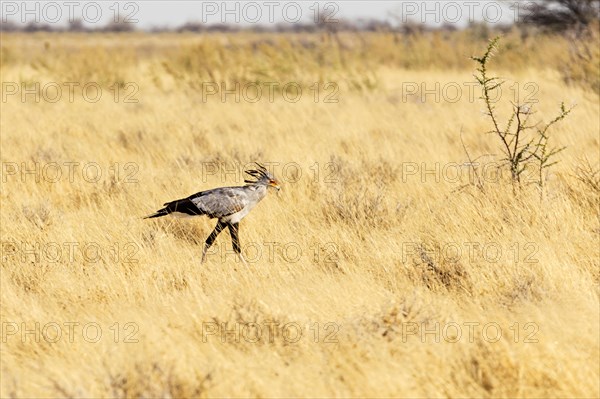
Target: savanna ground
(380,269)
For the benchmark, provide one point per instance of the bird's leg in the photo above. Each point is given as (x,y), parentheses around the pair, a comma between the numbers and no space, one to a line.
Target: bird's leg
(235,240)
(211,238)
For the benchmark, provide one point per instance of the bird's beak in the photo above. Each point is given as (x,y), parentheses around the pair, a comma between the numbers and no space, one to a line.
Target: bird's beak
(275,184)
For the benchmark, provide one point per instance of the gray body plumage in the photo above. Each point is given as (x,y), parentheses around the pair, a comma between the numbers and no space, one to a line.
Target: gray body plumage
(227,204)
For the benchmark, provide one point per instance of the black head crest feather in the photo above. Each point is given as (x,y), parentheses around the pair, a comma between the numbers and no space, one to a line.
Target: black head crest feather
(259,173)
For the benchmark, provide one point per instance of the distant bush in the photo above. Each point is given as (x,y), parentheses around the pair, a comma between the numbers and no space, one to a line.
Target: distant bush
(562,15)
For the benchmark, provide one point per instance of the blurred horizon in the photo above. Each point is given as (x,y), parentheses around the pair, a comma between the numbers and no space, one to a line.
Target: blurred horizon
(152,16)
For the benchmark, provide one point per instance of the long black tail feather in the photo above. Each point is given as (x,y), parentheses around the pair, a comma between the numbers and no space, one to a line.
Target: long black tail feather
(184,206)
(157,214)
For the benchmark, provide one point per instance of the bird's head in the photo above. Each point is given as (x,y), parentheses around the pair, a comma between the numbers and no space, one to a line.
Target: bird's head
(262,176)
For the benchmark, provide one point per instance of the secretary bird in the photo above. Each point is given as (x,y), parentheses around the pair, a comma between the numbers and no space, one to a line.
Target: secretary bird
(228,204)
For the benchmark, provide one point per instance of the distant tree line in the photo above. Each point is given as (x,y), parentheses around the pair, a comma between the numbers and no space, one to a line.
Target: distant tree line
(74,26)
(554,15)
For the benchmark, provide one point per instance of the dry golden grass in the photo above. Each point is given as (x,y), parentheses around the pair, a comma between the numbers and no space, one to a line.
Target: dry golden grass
(368,237)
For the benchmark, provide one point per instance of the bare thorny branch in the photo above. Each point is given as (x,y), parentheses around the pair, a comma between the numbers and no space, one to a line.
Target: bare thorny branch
(521,150)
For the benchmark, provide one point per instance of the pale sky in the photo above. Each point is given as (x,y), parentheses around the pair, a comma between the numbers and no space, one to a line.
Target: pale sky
(153,13)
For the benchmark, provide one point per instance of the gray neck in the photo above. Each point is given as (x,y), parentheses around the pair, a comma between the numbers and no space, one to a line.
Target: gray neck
(256,190)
